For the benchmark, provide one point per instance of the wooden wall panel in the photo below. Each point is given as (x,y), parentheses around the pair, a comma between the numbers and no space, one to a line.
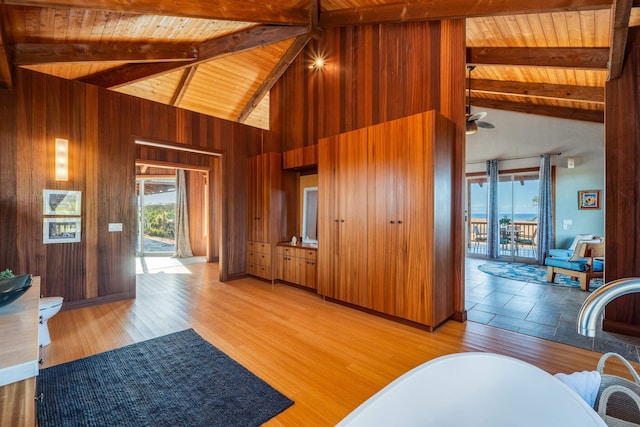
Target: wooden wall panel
(101,126)
(373,74)
(8,176)
(622,192)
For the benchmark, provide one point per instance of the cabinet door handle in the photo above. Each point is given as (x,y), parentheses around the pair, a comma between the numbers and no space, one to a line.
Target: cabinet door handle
(399,222)
(337,220)
(392,222)
(342,220)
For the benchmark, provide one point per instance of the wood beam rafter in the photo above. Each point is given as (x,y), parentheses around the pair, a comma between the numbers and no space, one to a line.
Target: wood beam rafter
(595,58)
(227,45)
(619,28)
(282,65)
(445,9)
(6,79)
(540,90)
(183,85)
(541,110)
(41,53)
(226,10)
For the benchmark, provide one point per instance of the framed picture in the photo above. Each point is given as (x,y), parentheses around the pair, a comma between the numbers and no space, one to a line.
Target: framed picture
(61,230)
(589,199)
(56,202)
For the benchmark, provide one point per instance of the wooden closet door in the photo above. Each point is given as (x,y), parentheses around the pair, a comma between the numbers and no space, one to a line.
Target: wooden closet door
(383,219)
(351,192)
(416,211)
(328,256)
(252,199)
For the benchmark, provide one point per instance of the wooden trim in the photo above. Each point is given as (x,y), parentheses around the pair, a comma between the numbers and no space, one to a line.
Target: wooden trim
(170,165)
(436,10)
(98,300)
(174,146)
(592,58)
(6,78)
(619,29)
(224,10)
(43,53)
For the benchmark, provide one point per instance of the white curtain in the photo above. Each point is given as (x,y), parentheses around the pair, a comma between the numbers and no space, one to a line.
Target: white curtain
(493,226)
(183,243)
(545,210)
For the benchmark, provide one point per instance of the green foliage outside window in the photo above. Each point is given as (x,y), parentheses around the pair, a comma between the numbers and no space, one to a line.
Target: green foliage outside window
(160,221)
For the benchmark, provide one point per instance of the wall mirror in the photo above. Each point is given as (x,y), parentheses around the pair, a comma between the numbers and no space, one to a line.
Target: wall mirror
(310,216)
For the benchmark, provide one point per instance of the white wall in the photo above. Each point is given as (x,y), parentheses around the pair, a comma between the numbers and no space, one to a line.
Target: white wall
(527,135)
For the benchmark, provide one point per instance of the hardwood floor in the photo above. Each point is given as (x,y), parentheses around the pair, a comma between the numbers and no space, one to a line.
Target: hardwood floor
(326,357)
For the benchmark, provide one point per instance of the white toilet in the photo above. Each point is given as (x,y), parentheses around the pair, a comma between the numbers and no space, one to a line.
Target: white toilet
(48,308)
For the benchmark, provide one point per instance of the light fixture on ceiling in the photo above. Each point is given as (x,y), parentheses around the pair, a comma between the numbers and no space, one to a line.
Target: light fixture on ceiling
(62,159)
(472,127)
(473,120)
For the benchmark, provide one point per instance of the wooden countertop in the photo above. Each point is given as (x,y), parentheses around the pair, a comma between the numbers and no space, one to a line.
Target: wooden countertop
(19,336)
(299,245)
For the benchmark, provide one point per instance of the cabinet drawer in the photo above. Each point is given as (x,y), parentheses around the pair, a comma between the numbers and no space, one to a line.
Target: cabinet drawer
(252,268)
(259,247)
(252,257)
(309,254)
(264,272)
(264,248)
(263,259)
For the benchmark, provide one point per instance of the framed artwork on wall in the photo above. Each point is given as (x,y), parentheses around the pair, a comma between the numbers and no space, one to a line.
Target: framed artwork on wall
(589,199)
(61,230)
(57,202)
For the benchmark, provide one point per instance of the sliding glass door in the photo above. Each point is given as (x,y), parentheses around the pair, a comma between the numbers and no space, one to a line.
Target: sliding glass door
(156,199)
(517,215)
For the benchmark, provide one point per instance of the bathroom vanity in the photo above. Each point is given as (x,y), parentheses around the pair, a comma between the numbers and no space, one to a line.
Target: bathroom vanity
(19,355)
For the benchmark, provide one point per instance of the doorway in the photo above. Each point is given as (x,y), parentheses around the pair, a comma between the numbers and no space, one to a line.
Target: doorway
(517,215)
(156,208)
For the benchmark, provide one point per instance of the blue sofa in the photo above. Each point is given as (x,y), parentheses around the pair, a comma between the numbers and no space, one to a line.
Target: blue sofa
(583,260)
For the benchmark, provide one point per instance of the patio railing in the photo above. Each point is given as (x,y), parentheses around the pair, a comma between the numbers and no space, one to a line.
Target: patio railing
(524,238)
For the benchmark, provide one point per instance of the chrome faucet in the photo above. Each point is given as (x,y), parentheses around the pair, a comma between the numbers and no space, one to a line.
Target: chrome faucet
(594,304)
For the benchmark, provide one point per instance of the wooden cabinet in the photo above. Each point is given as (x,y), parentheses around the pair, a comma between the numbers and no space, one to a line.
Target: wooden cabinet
(264,213)
(19,355)
(259,260)
(297,265)
(342,220)
(396,255)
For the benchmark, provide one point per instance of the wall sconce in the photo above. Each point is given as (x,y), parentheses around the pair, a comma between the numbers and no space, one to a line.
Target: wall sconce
(571,163)
(318,62)
(62,159)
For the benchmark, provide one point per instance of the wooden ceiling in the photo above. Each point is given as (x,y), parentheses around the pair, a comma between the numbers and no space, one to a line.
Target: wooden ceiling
(221,57)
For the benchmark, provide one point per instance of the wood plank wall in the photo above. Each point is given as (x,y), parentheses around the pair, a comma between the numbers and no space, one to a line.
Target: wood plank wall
(373,74)
(622,193)
(100,126)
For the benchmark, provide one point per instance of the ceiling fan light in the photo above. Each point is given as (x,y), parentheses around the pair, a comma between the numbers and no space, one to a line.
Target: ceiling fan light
(472,127)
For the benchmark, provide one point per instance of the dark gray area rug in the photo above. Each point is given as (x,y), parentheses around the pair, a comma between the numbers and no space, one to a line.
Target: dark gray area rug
(175,380)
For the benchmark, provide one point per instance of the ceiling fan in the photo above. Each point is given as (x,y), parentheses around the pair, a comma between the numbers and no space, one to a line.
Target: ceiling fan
(474,120)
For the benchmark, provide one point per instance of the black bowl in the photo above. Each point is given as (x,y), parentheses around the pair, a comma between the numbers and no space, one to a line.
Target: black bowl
(11,289)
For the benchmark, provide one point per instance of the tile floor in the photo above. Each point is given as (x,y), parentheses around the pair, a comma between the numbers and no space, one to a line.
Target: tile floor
(544,311)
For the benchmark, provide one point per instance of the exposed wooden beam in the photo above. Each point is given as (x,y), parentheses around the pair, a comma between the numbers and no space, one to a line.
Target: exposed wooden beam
(446,9)
(595,58)
(183,85)
(6,80)
(226,10)
(233,43)
(540,90)
(619,29)
(282,65)
(541,110)
(41,53)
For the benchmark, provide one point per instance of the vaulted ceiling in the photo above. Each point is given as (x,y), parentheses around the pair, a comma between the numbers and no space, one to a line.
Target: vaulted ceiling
(221,57)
